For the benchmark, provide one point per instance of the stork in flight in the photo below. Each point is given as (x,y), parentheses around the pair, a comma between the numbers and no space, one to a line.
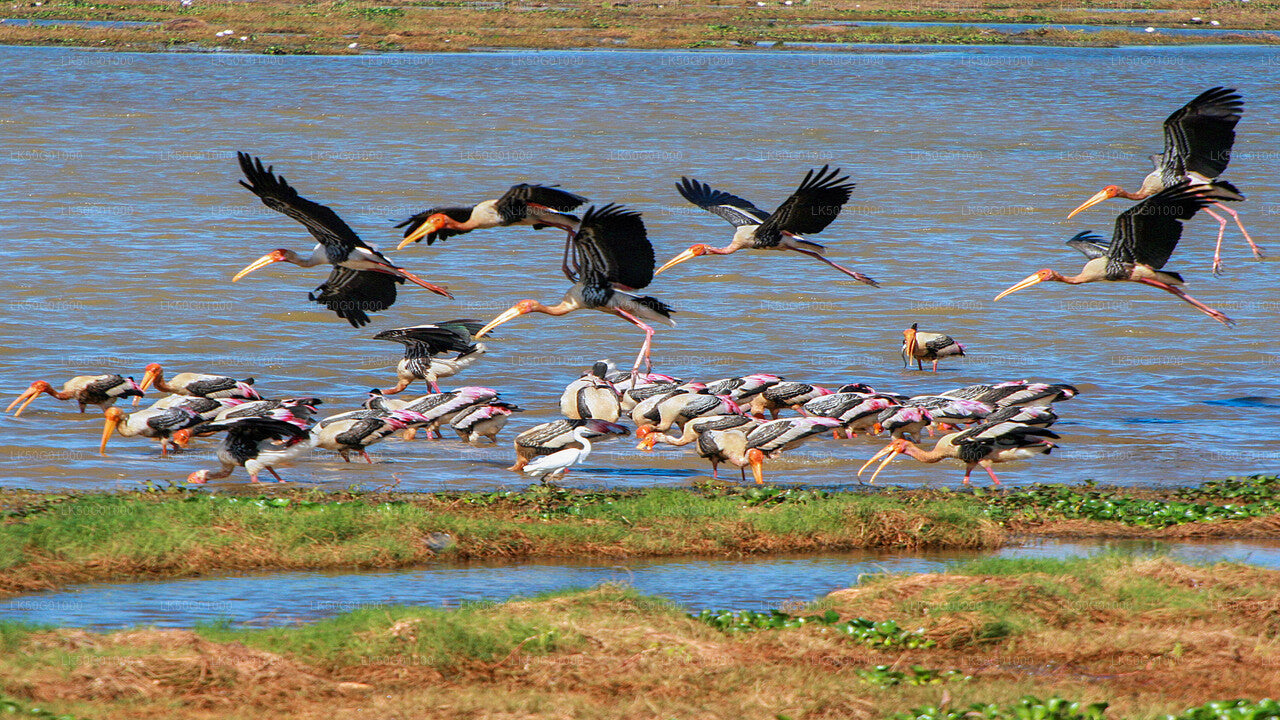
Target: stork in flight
(363,280)
(810,209)
(614,258)
(1197,147)
(1144,238)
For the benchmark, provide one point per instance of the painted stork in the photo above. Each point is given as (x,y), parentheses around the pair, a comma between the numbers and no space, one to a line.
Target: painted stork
(435,409)
(613,252)
(549,437)
(483,421)
(100,390)
(650,435)
(296,410)
(920,345)
(254,443)
(785,395)
(524,204)
(199,384)
(1197,147)
(768,440)
(984,445)
(591,397)
(742,389)
(634,397)
(358,429)
(1145,236)
(423,346)
(156,423)
(857,412)
(1015,393)
(681,407)
(810,209)
(363,280)
(557,464)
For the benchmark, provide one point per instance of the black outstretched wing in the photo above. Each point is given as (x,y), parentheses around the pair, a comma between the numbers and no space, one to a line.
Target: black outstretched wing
(252,429)
(1090,245)
(330,230)
(437,338)
(1148,232)
(514,204)
(352,294)
(460,214)
(1198,136)
(736,210)
(813,206)
(613,249)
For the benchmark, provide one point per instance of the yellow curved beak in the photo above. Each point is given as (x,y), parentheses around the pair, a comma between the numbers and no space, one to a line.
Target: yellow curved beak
(682,257)
(422,231)
(148,378)
(109,427)
(908,346)
(885,463)
(511,314)
(28,395)
(879,453)
(258,264)
(1023,285)
(1099,197)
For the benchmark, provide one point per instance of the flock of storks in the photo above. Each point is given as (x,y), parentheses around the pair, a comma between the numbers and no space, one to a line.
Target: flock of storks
(608,258)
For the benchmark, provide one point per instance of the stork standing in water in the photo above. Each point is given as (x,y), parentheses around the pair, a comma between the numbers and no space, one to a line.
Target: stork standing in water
(1144,238)
(157,423)
(100,390)
(767,440)
(423,344)
(785,395)
(363,280)
(613,252)
(1197,147)
(254,443)
(358,429)
(650,435)
(524,204)
(984,445)
(591,396)
(920,346)
(483,421)
(810,209)
(199,384)
(549,437)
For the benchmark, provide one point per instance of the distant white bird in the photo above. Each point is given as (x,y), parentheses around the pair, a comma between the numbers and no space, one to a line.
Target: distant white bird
(555,465)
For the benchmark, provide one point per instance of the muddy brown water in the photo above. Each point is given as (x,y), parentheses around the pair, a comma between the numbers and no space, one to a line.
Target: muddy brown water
(123,224)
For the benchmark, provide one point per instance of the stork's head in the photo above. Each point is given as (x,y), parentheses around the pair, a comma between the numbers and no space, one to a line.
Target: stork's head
(693,252)
(37,388)
(182,438)
(648,435)
(151,375)
(1105,193)
(198,477)
(1038,277)
(432,224)
(275,256)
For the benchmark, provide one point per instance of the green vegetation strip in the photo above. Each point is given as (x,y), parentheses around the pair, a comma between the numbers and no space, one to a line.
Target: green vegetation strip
(1033,708)
(16,709)
(1092,503)
(885,633)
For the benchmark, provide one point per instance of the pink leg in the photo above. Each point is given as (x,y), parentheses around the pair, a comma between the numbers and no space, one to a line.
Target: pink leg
(994,480)
(1217,249)
(1189,300)
(1257,251)
(275,474)
(966,474)
(855,275)
(253,478)
(644,349)
(366,457)
(431,384)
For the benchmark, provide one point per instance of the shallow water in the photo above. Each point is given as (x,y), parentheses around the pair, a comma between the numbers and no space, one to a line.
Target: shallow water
(1023,27)
(123,224)
(742,583)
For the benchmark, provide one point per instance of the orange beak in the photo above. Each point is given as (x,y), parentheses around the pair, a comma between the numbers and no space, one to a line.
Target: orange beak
(908,346)
(510,314)
(691,253)
(113,419)
(1099,197)
(880,453)
(265,260)
(27,395)
(756,458)
(182,438)
(1022,285)
(149,377)
(895,452)
(431,225)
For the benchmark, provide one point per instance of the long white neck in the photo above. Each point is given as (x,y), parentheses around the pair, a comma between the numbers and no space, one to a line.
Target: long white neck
(317,257)
(581,434)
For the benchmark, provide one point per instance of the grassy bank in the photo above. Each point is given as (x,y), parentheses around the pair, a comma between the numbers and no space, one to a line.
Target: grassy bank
(1148,636)
(47,540)
(280,27)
